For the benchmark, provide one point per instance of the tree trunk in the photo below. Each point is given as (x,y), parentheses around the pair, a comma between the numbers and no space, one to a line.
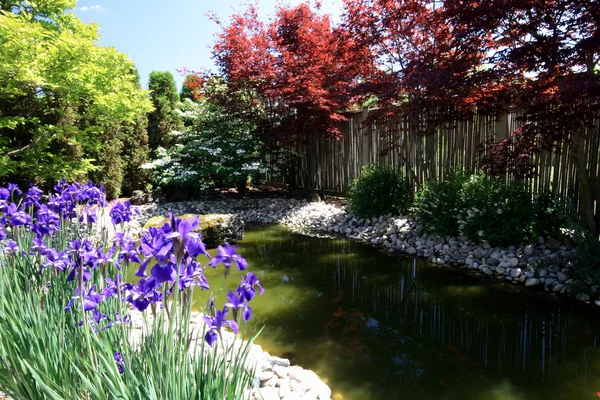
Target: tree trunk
(586,192)
(242,185)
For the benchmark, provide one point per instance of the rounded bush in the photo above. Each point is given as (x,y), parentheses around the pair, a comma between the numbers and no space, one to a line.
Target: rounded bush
(379,191)
(438,204)
(487,208)
(495,211)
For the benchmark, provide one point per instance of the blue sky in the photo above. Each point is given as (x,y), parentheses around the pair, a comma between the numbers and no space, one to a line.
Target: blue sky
(168,35)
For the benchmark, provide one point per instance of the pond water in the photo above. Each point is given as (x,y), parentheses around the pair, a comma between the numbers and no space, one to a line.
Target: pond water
(380,327)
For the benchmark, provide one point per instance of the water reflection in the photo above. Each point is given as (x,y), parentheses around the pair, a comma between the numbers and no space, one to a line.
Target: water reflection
(379,327)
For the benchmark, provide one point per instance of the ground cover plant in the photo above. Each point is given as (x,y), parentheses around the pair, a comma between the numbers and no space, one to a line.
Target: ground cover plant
(66,309)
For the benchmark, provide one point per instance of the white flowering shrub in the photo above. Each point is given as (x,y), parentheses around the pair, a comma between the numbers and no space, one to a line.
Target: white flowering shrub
(213,150)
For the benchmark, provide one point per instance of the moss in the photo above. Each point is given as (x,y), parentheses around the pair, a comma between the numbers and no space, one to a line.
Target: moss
(156,222)
(208,226)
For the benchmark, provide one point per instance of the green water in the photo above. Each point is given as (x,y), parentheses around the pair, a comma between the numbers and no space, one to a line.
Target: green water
(380,327)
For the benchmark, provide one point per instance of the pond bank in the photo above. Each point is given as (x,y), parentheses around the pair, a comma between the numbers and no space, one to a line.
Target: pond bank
(538,266)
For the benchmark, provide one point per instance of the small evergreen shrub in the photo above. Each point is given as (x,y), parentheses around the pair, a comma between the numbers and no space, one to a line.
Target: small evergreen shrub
(487,208)
(495,211)
(551,215)
(379,191)
(438,204)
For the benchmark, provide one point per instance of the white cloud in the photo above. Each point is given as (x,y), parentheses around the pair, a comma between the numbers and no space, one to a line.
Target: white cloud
(97,7)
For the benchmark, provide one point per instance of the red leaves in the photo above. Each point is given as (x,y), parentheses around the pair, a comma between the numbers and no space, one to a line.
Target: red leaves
(298,67)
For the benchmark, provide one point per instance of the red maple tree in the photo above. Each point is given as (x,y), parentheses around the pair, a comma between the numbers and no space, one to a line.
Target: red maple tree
(297,68)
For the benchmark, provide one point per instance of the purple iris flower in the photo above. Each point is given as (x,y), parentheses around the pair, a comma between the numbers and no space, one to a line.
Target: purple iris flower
(184,236)
(14,188)
(247,313)
(91,299)
(88,215)
(227,256)
(38,246)
(17,216)
(4,194)
(246,288)
(95,319)
(236,303)
(164,272)
(33,196)
(120,363)
(11,247)
(195,247)
(157,245)
(113,287)
(147,291)
(192,275)
(2,233)
(47,221)
(121,212)
(119,320)
(214,326)
(57,260)
(129,250)
(182,228)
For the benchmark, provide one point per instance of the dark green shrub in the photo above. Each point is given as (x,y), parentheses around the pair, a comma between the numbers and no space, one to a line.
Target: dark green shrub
(551,214)
(495,211)
(379,191)
(438,204)
(488,208)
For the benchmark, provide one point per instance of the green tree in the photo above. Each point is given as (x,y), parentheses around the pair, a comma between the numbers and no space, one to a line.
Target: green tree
(163,120)
(64,100)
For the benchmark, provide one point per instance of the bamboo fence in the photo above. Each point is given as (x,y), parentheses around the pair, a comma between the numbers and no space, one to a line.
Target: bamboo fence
(329,165)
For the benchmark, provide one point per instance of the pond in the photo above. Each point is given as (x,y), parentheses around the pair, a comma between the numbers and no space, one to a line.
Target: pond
(380,327)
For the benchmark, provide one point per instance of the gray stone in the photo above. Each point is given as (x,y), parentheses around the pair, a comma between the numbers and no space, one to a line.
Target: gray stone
(293,396)
(493,262)
(558,287)
(552,243)
(267,393)
(582,297)
(140,197)
(529,250)
(284,362)
(500,270)
(532,282)
(280,371)
(266,375)
(284,388)
(515,273)
(561,276)
(597,302)
(543,273)
(411,250)
(487,271)
(513,262)
(311,395)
